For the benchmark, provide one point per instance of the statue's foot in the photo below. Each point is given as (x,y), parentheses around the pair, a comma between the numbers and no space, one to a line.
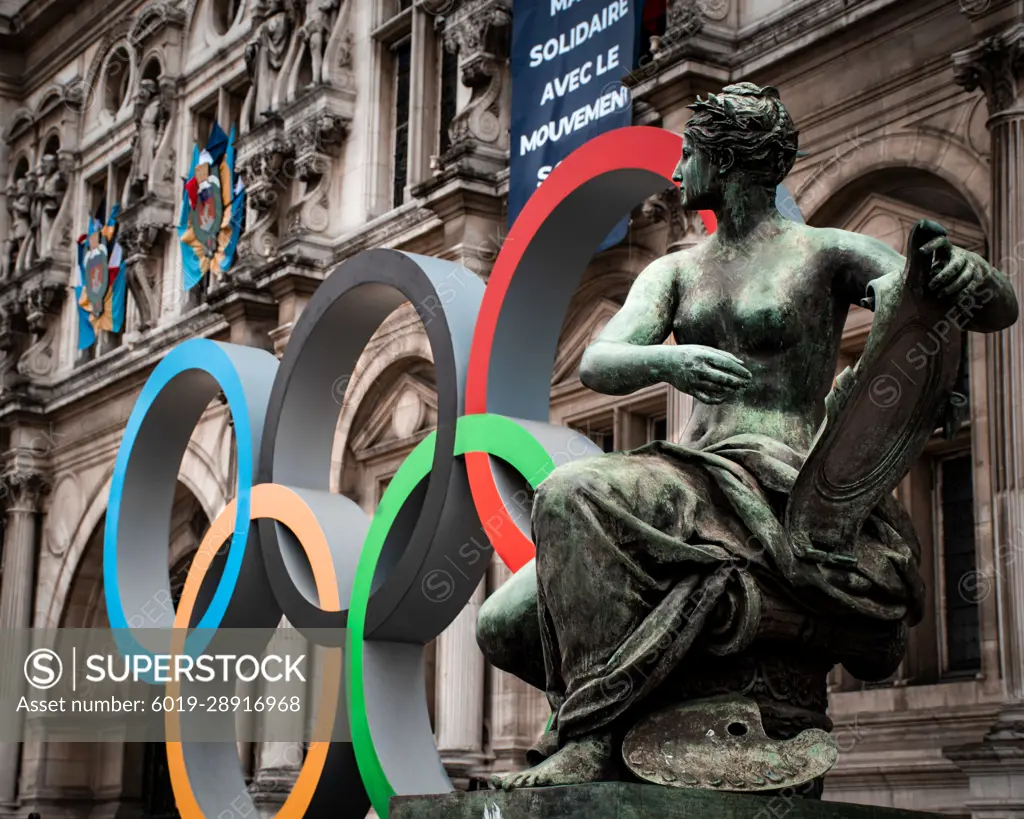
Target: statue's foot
(591,759)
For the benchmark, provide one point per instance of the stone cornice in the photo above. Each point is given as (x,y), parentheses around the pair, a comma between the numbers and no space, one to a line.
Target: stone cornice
(995,65)
(33,22)
(715,55)
(121,365)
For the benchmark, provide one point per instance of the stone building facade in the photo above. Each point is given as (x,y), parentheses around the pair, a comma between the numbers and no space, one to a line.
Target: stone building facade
(369,123)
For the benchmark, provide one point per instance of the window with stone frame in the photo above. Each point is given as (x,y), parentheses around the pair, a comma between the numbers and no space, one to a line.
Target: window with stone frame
(953,522)
(382,487)
(225,14)
(653,23)
(223,107)
(418,86)
(448,94)
(938,491)
(103,189)
(400,173)
(204,116)
(625,423)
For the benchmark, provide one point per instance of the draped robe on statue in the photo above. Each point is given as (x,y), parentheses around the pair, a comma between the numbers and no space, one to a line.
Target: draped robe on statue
(652,559)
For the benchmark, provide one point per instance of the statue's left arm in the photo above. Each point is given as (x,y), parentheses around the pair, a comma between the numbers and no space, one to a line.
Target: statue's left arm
(982,293)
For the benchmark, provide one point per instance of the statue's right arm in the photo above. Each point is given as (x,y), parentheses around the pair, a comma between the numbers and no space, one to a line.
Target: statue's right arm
(629,355)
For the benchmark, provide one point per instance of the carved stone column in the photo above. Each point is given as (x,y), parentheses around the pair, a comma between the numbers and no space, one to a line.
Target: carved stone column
(517,712)
(278,761)
(23,488)
(995,766)
(460,694)
(479,31)
(995,65)
(684,229)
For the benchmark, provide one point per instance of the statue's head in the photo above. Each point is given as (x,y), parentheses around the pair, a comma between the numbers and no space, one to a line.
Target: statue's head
(742,138)
(148,88)
(48,164)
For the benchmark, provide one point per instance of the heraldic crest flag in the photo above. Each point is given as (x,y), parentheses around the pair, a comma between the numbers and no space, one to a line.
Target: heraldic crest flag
(212,209)
(101,287)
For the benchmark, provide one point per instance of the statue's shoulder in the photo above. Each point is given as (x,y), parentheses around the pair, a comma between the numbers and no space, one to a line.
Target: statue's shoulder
(681,263)
(837,240)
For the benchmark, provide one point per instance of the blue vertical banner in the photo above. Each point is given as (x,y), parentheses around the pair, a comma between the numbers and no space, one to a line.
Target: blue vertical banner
(568,61)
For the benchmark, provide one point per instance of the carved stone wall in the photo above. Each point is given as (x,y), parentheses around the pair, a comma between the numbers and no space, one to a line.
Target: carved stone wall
(110,102)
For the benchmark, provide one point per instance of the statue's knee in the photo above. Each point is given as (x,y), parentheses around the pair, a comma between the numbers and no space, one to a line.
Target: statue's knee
(507,624)
(497,634)
(564,484)
(491,629)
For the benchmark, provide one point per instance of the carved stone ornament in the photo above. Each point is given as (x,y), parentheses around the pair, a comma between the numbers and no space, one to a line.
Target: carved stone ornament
(137,241)
(22,488)
(273,22)
(714,9)
(685,227)
(68,501)
(265,173)
(479,31)
(152,114)
(994,65)
(154,18)
(13,340)
(74,93)
(39,214)
(683,17)
(42,302)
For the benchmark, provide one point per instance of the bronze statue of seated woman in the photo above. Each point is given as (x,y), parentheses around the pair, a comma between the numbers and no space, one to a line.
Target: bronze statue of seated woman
(735,562)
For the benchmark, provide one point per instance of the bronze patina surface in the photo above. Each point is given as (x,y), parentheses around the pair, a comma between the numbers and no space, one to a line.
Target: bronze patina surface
(610,800)
(721,744)
(764,546)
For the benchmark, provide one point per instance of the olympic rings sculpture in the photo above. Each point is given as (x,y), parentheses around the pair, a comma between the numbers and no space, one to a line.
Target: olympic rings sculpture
(371,578)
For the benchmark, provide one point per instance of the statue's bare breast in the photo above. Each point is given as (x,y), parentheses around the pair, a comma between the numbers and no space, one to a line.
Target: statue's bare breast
(777,310)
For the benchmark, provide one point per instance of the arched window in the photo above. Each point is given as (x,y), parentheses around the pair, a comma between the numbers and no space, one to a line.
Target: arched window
(153,70)
(20,169)
(225,14)
(115,80)
(939,490)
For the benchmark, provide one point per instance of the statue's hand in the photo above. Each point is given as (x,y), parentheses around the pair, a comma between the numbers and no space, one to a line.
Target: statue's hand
(709,375)
(954,270)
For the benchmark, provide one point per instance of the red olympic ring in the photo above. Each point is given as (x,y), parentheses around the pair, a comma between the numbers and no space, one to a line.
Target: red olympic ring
(642,148)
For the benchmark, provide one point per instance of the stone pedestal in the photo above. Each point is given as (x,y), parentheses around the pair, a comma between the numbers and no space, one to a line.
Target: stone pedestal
(612,800)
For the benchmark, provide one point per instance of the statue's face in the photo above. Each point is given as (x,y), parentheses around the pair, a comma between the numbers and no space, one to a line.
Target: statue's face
(698,178)
(49,164)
